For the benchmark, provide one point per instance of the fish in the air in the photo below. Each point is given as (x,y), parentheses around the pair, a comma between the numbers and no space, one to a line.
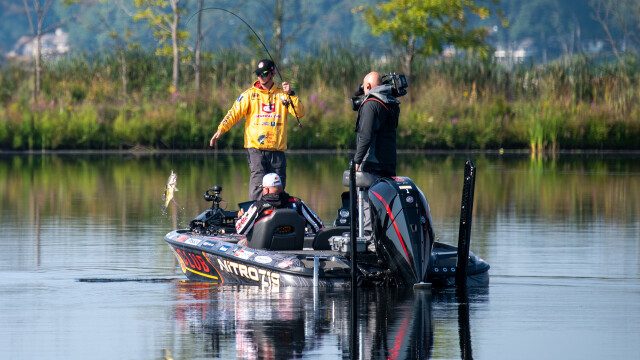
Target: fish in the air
(169,189)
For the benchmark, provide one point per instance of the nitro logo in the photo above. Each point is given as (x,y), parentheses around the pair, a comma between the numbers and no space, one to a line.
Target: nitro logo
(268,108)
(261,276)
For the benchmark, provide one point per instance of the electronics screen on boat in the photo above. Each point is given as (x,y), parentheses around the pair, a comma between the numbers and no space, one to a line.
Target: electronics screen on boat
(245,205)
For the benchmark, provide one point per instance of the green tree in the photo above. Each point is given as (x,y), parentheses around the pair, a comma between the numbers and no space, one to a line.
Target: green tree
(167,26)
(426,27)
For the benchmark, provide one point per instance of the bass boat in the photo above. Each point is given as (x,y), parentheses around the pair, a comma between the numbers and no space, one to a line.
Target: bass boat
(401,252)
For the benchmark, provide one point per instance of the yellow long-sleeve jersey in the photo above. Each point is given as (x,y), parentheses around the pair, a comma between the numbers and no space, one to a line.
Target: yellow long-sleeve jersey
(265,117)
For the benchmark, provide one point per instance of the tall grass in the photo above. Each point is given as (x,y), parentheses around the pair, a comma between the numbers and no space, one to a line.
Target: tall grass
(577,103)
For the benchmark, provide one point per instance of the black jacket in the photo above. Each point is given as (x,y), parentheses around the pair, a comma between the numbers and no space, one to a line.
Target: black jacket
(376,127)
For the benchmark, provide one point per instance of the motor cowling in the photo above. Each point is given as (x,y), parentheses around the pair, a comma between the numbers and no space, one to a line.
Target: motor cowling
(402,227)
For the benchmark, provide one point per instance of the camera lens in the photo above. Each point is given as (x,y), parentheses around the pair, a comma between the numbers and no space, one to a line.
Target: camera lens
(356,102)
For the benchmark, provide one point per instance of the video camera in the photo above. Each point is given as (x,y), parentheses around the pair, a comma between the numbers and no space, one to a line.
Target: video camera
(398,84)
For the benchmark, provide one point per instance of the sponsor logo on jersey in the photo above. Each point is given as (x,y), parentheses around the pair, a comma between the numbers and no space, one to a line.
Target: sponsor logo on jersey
(268,108)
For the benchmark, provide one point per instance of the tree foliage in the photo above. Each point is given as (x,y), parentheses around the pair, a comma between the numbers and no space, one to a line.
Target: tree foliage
(167,28)
(427,27)
(430,25)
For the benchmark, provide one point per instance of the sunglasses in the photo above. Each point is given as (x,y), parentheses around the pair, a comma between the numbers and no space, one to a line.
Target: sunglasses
(264,73)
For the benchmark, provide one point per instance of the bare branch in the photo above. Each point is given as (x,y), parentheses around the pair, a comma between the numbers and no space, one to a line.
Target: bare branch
(599,8)
(26,10)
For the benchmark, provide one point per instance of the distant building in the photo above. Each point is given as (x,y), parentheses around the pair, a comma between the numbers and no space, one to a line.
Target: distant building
(516,54)
(593,46)
(51,45)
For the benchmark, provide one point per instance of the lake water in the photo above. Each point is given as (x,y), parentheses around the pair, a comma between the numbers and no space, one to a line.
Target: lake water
(85,272)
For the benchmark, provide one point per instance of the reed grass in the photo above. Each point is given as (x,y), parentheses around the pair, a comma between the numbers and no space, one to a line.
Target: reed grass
(576,103)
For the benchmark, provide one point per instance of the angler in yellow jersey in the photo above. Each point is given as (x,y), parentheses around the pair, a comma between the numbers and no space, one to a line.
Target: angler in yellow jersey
(265,107)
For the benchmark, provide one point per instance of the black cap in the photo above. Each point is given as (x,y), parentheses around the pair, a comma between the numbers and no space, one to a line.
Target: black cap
(264,65)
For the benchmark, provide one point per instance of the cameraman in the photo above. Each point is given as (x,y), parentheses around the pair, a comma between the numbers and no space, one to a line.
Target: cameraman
(376,128)
(376,140)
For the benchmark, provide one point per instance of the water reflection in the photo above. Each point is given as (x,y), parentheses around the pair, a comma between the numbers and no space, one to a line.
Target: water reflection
(127,189)
(562,236)
(253,323)
(397,324)
(258,324)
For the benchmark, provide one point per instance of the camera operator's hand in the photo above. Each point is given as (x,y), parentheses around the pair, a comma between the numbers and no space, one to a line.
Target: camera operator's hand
(286,88)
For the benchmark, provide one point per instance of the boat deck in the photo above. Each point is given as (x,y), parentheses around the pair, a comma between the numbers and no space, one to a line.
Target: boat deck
(328,259)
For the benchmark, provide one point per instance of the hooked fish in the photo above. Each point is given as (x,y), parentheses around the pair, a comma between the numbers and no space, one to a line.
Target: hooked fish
(169,189)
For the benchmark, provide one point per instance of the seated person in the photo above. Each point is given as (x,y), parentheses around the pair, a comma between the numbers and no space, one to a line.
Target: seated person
(273,197)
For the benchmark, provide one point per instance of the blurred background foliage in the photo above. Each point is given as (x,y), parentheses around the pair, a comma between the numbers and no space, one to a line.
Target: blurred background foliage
(458,104)
(122,94)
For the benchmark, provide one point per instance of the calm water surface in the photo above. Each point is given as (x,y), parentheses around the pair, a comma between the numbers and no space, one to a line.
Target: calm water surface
(85,273)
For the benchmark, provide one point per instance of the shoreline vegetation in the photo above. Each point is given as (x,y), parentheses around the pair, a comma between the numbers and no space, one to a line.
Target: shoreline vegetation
(576,103)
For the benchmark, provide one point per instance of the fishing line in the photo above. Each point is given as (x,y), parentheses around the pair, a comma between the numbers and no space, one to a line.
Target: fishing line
(295,113)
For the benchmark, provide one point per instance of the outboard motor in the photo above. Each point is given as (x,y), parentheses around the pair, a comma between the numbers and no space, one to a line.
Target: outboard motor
(403,227)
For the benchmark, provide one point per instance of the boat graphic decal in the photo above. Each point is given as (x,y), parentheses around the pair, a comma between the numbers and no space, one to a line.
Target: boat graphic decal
(262,259)
(194,263)
(214,268)
(182,238)
(393,220)
(192,241)
(285,264)
(261,276)
(244,254)
(207,243)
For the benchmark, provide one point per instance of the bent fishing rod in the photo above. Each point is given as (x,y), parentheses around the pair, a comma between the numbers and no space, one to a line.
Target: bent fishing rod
(295,113)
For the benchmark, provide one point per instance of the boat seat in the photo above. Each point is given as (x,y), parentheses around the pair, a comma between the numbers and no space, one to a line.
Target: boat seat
(281,230)
(363,179)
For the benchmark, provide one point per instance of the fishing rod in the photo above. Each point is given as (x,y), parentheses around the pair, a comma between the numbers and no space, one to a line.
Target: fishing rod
(295,113)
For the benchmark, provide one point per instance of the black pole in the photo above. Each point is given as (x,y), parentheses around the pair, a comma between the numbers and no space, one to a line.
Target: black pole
(353,211)
(466,212)
(354,264)
(464,328)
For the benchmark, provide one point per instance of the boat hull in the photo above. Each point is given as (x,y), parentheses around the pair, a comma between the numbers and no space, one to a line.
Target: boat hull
(220,259)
